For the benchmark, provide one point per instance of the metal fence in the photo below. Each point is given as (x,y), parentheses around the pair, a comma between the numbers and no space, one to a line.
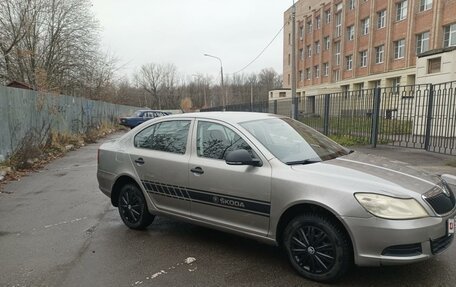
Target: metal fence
(415,116)
(24,113)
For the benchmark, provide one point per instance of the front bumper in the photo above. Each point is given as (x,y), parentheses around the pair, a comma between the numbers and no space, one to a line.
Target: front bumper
(378,241)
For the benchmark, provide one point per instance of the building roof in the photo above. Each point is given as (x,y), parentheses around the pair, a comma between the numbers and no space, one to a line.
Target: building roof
(19,85)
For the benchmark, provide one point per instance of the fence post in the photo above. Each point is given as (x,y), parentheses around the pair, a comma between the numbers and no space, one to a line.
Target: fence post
(275,107)
(427,139)
(326,115)
(375,117)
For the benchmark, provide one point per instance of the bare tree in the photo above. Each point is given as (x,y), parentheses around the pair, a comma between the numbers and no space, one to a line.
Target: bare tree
(158,80)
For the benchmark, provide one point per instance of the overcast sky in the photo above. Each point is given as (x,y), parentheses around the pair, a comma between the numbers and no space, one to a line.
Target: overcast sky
(180,32)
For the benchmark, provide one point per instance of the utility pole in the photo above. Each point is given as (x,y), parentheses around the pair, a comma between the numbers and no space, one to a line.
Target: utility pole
(294,99)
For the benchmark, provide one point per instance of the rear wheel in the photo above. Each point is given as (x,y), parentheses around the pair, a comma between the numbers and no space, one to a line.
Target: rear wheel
(317,247)
(133,207)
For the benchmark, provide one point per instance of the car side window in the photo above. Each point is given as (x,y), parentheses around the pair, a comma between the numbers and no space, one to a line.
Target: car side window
(215,141)
(169,136)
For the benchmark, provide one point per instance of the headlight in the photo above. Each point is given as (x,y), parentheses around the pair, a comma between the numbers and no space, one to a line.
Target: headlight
(390,207)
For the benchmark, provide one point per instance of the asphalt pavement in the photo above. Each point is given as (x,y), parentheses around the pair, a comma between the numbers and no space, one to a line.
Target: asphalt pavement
(58,229)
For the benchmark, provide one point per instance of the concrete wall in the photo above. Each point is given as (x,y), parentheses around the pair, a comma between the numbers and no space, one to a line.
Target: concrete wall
(24,111)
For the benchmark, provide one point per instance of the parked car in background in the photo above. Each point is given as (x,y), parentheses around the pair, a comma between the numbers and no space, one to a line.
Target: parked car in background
(281,182)
(141,116)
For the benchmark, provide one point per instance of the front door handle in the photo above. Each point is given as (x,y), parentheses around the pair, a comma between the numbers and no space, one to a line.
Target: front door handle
(140,161)
(197,170)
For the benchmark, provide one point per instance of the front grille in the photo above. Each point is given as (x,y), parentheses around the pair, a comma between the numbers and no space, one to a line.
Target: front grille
(440,244)
(439,201)
(403,250)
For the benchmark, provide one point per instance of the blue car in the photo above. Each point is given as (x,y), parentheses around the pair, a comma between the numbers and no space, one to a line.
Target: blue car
(141,116)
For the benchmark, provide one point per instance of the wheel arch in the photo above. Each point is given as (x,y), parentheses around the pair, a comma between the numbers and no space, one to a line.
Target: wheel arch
(121,181)
(299,208)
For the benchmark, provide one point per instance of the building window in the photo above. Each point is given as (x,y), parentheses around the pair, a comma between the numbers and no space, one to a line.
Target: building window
(301,76)
(325,69)
(309,26)
(309,51)
(289,79)
(337,53)
(434,65)
(338,24)
(301,53)
(363,58)
(351,4)
(399,49)
(318,22)
(425,5)
(396,85)
(336,75)
(351,33)
(317,71)
(289,59)
(308,74)
(317,47)
(328,16)
(450,36)
(365,26)
(379,54)
(381,19)
(349,62)
(422,42)
(327,42)
(401,10)
(301,33)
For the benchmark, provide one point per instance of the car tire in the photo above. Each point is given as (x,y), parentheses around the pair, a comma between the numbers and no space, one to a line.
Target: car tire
(133,207)
(317,247)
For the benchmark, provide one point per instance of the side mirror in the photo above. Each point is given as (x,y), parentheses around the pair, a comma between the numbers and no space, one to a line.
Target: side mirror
(241,157)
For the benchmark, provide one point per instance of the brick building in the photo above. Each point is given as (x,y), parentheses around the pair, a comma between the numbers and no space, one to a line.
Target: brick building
(356,44)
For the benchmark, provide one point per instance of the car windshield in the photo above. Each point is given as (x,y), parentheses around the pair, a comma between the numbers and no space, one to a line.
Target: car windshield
(138,114)
(293,142)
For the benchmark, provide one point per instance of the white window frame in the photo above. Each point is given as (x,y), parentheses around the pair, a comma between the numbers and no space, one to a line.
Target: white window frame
(381,19)
(351,4)
(401,10)
(338,30)
(365,26)
(317,47)
(425,5)
(422,42)
(349,62)
(337,53)
(449,39)
(399,49)
(363,58)
(317,71)
(327,42)
(379,54)
(351,33)
(325,69)
(328,16)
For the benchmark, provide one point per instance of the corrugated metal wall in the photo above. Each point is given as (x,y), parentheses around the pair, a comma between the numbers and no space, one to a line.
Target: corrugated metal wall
(23,112)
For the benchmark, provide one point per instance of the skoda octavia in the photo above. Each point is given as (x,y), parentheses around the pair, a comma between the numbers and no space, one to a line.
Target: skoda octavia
(278,181)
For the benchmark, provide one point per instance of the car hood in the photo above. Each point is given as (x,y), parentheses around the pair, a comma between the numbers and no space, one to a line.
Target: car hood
(367,173)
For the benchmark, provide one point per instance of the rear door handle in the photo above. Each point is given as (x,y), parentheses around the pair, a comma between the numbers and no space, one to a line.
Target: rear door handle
(197,170)
(140,161)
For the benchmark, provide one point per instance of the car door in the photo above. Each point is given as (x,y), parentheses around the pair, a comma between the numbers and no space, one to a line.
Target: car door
(160,156)
(233,196)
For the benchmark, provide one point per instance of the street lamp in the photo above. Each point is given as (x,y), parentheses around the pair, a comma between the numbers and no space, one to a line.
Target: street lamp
(221,78)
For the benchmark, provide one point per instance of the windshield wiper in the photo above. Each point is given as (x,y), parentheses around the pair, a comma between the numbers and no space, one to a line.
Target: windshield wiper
(305,161)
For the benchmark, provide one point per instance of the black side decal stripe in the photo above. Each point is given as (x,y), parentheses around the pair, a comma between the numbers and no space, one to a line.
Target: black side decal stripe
(257,207)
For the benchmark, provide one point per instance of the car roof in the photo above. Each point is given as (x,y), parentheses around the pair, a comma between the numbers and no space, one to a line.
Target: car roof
(229,117)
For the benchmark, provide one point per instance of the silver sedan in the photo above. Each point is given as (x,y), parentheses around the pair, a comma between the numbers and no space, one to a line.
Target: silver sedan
(278,181)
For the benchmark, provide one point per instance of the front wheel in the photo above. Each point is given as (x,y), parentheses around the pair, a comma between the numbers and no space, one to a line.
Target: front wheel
(317,247)
(133,207)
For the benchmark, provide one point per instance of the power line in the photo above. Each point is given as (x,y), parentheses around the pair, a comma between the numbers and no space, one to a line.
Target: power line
(261,53)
